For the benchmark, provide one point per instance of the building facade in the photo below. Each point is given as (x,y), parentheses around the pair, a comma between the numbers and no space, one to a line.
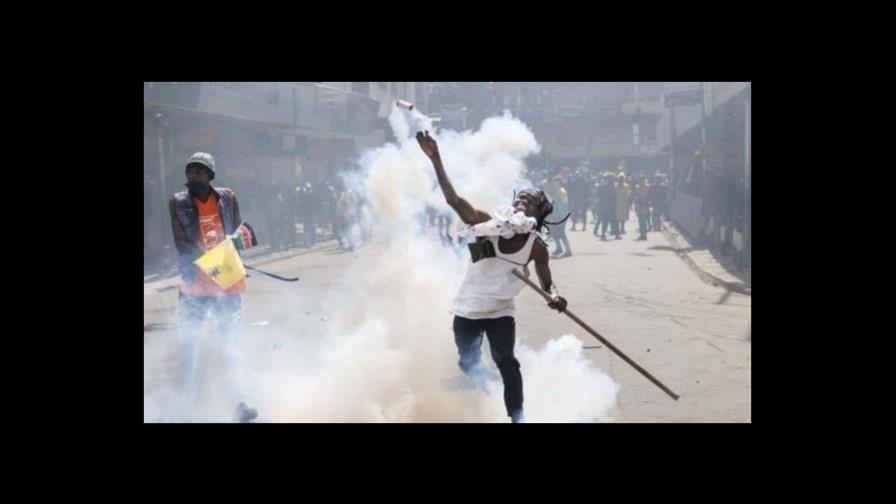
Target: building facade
(265,136)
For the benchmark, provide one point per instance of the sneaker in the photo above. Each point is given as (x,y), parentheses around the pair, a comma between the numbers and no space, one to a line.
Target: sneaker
(244,414)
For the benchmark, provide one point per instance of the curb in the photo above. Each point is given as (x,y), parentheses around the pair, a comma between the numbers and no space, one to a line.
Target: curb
(739,287)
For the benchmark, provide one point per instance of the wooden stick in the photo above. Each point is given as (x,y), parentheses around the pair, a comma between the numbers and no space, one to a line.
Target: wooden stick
(603,340)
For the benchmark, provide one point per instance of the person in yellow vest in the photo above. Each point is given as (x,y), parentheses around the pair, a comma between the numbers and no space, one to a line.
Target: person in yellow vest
(623,195)
(202,217)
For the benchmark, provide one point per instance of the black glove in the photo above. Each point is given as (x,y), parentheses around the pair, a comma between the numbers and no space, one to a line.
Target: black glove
(558,304)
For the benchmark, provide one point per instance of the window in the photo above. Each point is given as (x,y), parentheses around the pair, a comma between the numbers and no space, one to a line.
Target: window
(383,85)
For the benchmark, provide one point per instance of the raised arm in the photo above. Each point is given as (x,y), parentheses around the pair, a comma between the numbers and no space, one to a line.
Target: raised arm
(464,209)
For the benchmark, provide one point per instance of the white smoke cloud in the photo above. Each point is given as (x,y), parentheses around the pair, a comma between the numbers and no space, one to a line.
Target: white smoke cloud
(562,385)
(389,353)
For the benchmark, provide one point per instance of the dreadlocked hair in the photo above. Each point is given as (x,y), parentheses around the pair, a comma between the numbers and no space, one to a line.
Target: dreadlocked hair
(545,208)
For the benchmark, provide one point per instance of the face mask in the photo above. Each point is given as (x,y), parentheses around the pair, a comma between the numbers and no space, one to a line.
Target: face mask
(197,187)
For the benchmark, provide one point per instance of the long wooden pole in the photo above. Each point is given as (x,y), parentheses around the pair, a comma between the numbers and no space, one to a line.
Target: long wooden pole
(603,340)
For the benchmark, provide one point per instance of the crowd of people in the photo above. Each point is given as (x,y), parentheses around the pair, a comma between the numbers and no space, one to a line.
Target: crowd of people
(314,211)
(610,197)
(599,201)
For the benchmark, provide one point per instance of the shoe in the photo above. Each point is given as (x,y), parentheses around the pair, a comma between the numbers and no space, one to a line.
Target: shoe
(567,254)
(517,417)
(244,414)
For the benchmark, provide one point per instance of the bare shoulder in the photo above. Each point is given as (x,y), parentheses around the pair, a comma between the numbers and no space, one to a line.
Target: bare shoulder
(539,251)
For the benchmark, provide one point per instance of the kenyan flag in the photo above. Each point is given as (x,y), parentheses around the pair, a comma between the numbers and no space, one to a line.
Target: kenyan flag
(245,237)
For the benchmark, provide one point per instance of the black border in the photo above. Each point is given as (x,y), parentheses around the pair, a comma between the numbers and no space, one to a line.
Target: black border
(727,441)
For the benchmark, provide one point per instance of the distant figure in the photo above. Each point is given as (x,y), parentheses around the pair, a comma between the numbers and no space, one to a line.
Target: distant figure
(332,203)
(623,195)
(642,206)
(347,207)
(310,205)
(606,196)
(560,199)
(659,199)
(578,189)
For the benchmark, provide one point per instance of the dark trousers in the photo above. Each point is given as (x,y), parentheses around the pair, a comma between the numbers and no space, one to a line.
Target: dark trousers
(643,221)
(607,219)
(501,333)
(613,225)
(658,212)
(579,213)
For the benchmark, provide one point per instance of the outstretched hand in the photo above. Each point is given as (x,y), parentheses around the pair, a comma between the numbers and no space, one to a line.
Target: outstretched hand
(428,144)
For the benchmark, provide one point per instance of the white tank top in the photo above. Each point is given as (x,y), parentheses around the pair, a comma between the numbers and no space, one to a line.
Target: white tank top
(489,286)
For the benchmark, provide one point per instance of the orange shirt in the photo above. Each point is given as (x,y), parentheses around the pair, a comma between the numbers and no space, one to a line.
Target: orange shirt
(211,233)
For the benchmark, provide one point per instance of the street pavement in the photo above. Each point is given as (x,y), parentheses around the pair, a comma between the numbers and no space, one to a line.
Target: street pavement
(690,334)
